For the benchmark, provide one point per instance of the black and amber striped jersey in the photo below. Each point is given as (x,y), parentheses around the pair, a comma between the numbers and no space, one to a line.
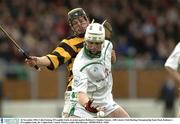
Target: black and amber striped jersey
(66,52)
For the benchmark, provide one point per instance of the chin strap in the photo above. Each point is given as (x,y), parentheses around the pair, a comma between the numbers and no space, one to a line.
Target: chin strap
(89,54)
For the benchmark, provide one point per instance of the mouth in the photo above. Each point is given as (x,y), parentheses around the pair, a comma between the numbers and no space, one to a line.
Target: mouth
(93,51)
(82,29)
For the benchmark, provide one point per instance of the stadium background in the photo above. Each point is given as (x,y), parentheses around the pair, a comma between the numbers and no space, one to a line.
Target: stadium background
(144,34)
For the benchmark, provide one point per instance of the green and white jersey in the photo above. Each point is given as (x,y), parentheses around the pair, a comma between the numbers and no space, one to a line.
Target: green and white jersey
(93,75)
(173,60)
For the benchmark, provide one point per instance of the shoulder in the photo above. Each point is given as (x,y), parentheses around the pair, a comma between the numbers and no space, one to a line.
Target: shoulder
(177,48)
(178,44)
(174,58)
(80,55)
(75,36)
(79,60)
(70,37)
(73,41)
(108,44)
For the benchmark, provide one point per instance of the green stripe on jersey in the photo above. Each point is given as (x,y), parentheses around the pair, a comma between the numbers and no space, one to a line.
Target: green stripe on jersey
(90,64)
(106,51)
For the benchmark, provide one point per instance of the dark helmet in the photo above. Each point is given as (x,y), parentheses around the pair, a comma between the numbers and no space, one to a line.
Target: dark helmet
(75,13)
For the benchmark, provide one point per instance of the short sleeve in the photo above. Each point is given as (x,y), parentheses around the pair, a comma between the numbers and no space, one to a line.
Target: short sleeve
(173,60)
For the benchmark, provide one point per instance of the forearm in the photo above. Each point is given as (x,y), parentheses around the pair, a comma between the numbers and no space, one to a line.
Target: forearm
(87,103)
(82,98)
(39,61)
(113,56)
(43,61)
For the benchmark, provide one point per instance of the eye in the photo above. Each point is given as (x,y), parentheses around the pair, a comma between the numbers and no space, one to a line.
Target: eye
(98,43)
(81,19)
(74,22)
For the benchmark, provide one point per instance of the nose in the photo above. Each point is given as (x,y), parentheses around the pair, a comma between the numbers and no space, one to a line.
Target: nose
(79,23)
(93,47)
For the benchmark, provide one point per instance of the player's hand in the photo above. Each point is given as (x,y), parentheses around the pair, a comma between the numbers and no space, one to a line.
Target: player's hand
(89,108)
(32,61)
(100,108)
(92,109)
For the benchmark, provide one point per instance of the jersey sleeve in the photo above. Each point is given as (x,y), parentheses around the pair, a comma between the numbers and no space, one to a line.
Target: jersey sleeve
(79,82)
(108,51)
(173,60)
(64,52)
(109,45)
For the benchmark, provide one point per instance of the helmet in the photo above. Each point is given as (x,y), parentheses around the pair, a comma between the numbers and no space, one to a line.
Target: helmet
(74,14)
(95,32)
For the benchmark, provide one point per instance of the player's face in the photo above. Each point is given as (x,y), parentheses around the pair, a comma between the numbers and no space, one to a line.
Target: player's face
(94,47)
(80,24)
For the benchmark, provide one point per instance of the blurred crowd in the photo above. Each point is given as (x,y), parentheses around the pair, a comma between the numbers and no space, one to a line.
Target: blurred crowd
(144,31)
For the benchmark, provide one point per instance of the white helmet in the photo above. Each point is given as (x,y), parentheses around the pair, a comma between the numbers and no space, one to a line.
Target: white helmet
(95,32)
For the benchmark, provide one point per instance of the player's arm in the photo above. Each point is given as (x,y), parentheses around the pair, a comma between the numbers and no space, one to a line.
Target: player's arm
(174,73)
(59,56)
(172,63)
(82,98)
(108,30)
(63,53)
(113,56)
(108,36)
(80,87)
(39,61)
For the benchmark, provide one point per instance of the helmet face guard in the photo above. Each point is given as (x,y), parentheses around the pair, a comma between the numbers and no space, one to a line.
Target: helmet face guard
(76,14)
